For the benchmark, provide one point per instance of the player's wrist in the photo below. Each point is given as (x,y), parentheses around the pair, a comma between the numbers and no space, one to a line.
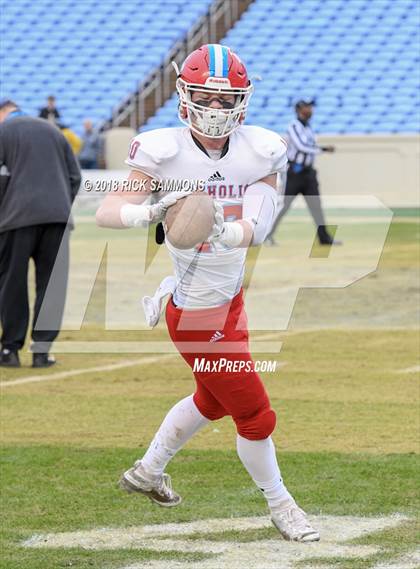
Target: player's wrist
(132,215)
(232,234)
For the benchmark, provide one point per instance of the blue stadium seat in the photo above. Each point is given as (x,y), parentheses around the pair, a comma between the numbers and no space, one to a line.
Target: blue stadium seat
(359,58)
(99,51)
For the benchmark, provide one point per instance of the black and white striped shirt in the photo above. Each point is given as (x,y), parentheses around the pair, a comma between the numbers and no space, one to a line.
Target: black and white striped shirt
(301,145)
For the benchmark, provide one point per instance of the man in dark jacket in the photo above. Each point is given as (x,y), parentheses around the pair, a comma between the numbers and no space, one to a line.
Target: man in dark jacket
(39,179)
(50,112)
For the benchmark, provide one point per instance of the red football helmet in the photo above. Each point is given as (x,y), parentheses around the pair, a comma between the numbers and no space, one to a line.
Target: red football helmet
(213,69)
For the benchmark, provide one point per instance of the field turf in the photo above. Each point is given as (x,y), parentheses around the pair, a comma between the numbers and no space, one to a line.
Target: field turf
(346,397)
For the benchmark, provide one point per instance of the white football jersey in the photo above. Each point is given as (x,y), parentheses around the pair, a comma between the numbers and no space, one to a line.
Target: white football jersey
(211,274)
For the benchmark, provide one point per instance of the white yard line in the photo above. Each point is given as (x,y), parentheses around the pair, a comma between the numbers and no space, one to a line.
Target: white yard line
(71,373)
(260,554)
(109,367)
(412,369)
(407,561)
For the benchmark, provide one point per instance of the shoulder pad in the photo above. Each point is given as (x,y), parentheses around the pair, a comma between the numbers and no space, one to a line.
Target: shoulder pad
(266,143)
(159,144)
(149,149)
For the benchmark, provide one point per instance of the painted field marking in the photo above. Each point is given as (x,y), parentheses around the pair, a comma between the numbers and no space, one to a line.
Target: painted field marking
(109,367)
(412,369)
(408,561)
(263,554)
(71,373)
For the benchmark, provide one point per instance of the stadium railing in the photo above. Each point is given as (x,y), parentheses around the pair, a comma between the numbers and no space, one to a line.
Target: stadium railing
(159,86)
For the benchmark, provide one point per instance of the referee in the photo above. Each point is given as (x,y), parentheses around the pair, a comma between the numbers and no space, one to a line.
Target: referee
(301,175)
(39,179)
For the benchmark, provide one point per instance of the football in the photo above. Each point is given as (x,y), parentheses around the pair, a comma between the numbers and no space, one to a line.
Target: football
(190,220)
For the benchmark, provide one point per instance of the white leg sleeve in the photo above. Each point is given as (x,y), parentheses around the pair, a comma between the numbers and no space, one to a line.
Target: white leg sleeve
(259,459)
(179,425)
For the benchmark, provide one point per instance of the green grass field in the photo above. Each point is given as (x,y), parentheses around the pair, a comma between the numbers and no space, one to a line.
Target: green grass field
(346,397)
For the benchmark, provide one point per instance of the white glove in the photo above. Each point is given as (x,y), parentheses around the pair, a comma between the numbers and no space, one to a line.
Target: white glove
(152,305)
(134,215)
(219,220)
(158,210)
(228,233)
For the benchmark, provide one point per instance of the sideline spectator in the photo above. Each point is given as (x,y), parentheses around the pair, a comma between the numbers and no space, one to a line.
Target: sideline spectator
(35,205)
(50,112)
(72,138)
(91,147)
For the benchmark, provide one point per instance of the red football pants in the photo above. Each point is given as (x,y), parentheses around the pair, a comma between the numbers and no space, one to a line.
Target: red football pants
(239,394)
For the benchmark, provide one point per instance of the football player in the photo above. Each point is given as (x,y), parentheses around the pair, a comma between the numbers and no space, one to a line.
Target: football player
(205,314)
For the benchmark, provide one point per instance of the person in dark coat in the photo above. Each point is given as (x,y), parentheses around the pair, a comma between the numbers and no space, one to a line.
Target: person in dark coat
(50,111)
(39,179)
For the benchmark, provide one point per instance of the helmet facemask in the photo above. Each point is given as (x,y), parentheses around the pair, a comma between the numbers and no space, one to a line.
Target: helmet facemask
(209,121)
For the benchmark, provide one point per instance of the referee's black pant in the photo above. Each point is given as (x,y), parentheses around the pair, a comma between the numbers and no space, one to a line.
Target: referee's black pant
(17,247)
(305,183)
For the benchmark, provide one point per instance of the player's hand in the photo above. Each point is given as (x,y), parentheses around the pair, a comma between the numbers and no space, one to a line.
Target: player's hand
(158,210)
(329,148)
(219,220)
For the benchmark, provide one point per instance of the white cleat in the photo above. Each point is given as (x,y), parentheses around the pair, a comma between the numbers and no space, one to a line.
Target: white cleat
(159,490)
(292,523)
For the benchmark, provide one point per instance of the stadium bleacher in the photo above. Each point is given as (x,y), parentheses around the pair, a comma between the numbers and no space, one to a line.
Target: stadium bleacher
(359,58)
(90,54)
